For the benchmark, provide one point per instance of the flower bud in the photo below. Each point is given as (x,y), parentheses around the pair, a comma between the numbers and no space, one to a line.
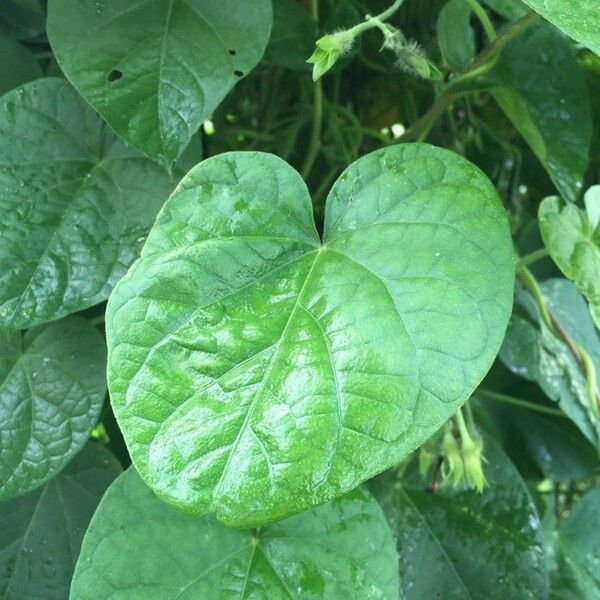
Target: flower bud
(328,49)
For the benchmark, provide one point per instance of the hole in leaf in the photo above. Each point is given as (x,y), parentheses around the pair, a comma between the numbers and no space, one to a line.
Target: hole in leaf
(231,51)
(114,75)
(238,73)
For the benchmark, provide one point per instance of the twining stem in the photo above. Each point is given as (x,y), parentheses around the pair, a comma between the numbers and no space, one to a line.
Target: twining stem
(580,355)
(483,18)
(506,399)
(375,21)
(481,64)
(533,257)
(314,144)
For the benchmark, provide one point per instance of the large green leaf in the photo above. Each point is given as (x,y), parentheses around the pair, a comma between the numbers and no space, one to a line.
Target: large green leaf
(18,64)
(138,547)
(155,69)
(52,387)
(576,572)
(539,86)
(293,36)
(578,18)
(532,351)
(459,544)
(256,372)
(572,237)
(75,204)
(41,533)
(455,35)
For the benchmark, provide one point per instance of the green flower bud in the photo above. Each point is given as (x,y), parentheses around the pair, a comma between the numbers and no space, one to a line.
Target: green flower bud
(471,451)
(453,463)
(328,49)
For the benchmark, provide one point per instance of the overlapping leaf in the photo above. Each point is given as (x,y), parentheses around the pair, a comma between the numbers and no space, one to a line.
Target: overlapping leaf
(155,69)
(454,34)
(532,351)
(464,545)
(572,237)
(341,549)
(41,533)
(18,64)
(541,89)
(52,387)
(256,372)
(76,204)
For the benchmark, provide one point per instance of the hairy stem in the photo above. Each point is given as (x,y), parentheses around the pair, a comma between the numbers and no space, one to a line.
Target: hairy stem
(375,21)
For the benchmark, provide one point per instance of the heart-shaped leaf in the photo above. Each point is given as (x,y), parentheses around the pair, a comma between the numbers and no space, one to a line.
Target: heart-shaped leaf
(41,533)
(256,372)
(52,387)
(155,69)
(578,18)
(75,203)
(572,238)
(344,548)
(539,85)
(464,545)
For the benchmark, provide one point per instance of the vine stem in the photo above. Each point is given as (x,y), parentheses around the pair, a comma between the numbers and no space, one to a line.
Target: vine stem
(314,144)
(481,64)
(533,257)
(480,13)
(506,399)
(375,21)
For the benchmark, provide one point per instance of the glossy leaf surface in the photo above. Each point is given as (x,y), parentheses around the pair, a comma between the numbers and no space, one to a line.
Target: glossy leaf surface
(572,237)
(256,372)
(52,387)
(578,18)
(41,533)
(532,351)
(576,573)
(18,64)
(465,545)
(155,69)
(76,204)
(543,92)
(454,34)
(341,549)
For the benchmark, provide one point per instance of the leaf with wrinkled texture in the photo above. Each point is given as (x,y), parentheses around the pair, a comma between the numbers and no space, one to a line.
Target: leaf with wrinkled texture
(342,549)
(533,352)
(256,372)
(293,36)
(578,18)
(576,568)
(41,533)
(76,204)
(156,69)
(455,35)
(572,237)
(463,545)
(540,87)
(18,64)
(52,387)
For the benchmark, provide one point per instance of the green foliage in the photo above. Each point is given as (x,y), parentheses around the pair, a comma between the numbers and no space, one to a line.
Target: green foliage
(343,547)
(262,256)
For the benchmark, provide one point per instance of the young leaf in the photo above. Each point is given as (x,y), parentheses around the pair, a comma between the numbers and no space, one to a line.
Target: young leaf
(136,544)
(460,544)
(542,91)
(18,64)
(533,352)
(578,18)
(52,387)
(256,372)
(509,9)
(454,34)
(156,69)
(41,533)
(75,202)
(293,36)
(572,238)
(576,572)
